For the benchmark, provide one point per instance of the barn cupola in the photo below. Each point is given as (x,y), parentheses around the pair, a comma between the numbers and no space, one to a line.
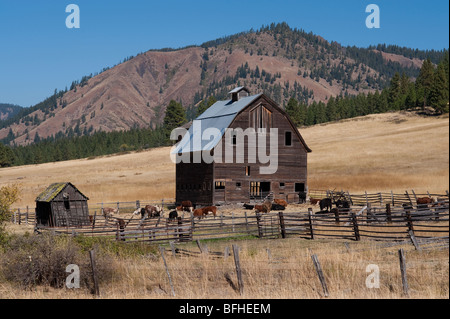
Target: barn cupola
(238,92)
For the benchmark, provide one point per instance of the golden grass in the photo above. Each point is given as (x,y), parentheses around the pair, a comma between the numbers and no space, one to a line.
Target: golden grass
(392,151)
(289,274)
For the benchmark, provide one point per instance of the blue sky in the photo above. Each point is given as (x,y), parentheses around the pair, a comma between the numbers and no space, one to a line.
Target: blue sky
(38,53)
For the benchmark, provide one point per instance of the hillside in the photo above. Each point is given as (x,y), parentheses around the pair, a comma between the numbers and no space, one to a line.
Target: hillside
(8,111)
(375,153)
(276,60)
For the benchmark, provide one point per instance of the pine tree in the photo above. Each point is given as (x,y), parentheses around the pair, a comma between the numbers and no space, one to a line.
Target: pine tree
(394,92)
(424,83)
(293,110)
(6,156)
(175,117)
(439,91)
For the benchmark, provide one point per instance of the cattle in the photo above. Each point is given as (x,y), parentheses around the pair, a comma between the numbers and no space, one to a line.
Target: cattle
(247,206)
(153,211)
(148,212)
(314,201)
(278,207)
(343,205)
(264,208)
(424,200)
(281,202)
(198,213)
(209,209)
(187,206)
(173,215)
(108,212)
(326,203)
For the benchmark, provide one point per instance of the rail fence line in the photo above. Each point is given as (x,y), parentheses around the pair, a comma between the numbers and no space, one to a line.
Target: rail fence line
(380,198)
(418,225)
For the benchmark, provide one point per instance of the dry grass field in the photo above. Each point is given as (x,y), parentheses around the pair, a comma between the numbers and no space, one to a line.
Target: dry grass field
(288,273)
(392,151)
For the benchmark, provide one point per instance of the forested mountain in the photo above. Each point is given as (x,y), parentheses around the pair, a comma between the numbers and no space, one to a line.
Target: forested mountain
(276,59)
(8,111)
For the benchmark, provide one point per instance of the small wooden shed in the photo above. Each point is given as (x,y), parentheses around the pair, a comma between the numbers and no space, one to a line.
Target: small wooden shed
(62,205)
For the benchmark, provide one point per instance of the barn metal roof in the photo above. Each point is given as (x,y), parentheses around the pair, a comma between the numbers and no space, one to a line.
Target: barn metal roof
(218,116)
(53,190)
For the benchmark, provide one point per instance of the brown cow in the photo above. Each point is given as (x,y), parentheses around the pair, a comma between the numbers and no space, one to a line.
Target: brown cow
(264,208)
(187,206)
(424,200)
(153,211)
(198,213)
(209,209)
(281,202)
(314,201)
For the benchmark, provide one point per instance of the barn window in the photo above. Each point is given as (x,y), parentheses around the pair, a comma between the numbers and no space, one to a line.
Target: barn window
(282,185)
(288,138)
(260,118)
(220,185)
(247,171)
(238,185)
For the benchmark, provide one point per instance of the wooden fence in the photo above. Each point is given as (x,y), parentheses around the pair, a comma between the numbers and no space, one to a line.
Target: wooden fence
(381,198)
(374,223)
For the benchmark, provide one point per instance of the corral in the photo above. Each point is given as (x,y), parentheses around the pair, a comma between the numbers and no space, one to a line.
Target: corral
(392,217)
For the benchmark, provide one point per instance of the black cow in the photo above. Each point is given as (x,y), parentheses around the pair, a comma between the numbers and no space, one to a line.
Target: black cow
(326,203)
(173,215)
(278,207)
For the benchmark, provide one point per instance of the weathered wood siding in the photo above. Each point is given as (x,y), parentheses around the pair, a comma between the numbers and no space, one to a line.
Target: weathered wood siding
(194,182)
(292,160)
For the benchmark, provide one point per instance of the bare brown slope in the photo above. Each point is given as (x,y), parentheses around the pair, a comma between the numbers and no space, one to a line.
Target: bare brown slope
(135,93)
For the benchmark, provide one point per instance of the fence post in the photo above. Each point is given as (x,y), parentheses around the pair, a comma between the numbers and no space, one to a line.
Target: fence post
(258,223)
(355,227)
(336,216)
(320,274)
(414,240)
(161,249)
(238,269)
(26,215)
(388,213)
(401,255)
(96,290)
(246,222)
(368,212)
(283,229)
(409,221)
(409,198)
(20,217)
(310,219)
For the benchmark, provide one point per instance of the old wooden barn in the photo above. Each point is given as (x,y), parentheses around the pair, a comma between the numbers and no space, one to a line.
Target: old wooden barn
(62,205)
(219,181)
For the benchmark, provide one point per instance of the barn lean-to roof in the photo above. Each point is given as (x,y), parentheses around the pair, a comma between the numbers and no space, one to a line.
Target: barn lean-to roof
(53,190)
(220,116)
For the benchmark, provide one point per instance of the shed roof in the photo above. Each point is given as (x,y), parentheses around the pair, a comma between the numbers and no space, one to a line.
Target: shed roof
(53,190)
(219,116)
